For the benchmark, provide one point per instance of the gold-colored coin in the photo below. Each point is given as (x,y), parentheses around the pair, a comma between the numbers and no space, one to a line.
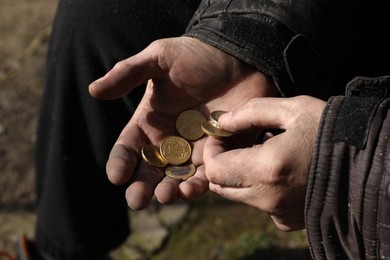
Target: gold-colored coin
(151,154)
(209,128)
(189,124)
(214,116)
(175,150)
(181,172)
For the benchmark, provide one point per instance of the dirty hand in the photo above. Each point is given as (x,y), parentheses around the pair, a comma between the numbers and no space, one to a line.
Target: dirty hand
(182,73)
(273,175)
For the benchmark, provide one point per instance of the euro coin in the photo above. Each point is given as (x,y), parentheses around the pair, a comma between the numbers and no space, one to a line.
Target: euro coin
(189,124)
(151,154)
(175,150)
(181,172)
(214,116)
(210,129)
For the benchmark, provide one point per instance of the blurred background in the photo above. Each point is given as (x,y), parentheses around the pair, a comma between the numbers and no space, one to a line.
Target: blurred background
(24,31)
(212,228)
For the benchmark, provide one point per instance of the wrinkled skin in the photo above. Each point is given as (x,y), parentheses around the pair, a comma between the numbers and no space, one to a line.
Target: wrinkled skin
(271,176)
(182,73)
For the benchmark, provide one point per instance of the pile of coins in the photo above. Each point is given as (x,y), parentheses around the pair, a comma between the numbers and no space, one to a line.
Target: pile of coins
(175,151)
(213,128)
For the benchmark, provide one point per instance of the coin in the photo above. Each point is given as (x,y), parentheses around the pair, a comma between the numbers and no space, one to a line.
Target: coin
(151,154)
(209,128)
(175,150)
(181,173)
(188,124)
(214,116)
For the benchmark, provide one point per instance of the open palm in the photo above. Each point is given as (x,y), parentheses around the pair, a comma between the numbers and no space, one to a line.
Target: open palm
(182,73)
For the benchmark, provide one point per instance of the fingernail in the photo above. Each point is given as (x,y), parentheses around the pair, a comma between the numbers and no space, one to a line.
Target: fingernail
(225,117)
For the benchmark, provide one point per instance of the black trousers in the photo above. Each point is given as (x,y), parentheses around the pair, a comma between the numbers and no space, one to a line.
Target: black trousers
(80,214)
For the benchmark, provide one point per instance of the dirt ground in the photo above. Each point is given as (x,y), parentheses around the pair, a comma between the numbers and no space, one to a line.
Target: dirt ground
(24,31)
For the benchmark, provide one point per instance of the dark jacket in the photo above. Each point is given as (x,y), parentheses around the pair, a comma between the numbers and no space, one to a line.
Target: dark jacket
(315,48)
(347,202)
(308,47)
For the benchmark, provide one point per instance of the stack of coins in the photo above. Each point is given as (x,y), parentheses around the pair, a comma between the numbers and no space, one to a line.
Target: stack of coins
(175,151)
(212,127)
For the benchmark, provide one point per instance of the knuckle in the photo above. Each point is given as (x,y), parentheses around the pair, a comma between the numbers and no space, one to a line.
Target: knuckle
(119,66)
(252,104)
(213,170)
(275,171)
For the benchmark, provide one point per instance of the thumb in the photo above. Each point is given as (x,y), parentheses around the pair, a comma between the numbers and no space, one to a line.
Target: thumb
(259,113)
(128,74)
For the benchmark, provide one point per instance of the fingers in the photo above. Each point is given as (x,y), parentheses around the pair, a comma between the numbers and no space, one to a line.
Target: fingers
(232,168)
(128,74)
(194,187)
(238,194)
(125,154)
(121,164)
(277,113)
(258,113)
(169,190)
(213,155)
(141,190)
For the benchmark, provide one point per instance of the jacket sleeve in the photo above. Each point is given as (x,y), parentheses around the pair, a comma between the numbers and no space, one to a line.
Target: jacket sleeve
(299,43)
(347,208)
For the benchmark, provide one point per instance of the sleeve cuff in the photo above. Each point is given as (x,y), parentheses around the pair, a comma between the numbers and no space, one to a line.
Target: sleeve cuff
(347,198)
(265,43)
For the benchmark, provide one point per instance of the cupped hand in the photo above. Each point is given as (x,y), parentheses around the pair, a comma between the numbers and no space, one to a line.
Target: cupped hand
(273,175)
(182,73)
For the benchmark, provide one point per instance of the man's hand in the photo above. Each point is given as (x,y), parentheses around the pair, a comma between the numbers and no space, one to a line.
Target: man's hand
(271,176)
(182,73)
